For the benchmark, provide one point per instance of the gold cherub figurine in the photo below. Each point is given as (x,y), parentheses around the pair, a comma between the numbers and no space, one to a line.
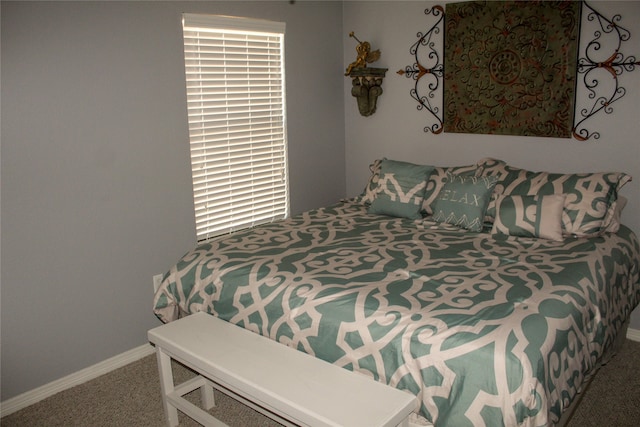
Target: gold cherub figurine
(364,55)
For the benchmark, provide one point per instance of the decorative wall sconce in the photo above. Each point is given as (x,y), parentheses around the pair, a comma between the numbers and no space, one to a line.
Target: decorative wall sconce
(367,82)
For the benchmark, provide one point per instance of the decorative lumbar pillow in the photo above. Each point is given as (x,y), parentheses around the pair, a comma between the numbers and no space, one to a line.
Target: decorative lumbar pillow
(436,181)
(400,189)
(463,201)
(529,216)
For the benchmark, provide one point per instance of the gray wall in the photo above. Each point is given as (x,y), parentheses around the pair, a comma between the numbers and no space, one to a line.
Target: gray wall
(96,184)
(395,130)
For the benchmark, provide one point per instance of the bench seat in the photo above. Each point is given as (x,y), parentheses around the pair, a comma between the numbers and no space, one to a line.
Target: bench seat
(286,385)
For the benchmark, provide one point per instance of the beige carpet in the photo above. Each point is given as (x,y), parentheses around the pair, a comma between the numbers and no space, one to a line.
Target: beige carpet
(130,396)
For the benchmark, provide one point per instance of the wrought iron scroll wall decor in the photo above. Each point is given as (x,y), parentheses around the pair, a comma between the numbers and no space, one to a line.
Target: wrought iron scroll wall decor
(434,71)
(592,61)
(615,64)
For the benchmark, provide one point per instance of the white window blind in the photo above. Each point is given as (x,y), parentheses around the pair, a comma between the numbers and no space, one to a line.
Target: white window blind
(237,125)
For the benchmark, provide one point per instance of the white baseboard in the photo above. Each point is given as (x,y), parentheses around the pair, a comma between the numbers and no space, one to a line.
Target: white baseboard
(633,334)
(30,397)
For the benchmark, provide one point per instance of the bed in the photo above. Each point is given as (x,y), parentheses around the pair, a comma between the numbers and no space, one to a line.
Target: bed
(498,314)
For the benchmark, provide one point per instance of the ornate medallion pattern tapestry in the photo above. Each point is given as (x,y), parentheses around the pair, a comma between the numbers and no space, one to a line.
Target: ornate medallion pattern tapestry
(510,67)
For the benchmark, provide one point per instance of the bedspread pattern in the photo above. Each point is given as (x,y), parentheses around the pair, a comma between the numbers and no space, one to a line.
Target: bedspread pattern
(483,331)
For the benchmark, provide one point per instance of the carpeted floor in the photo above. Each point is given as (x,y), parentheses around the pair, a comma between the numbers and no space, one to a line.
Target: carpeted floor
(130,396)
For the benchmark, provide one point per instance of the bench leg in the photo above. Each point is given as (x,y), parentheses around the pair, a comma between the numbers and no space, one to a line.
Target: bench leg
(167,386)
(208,401)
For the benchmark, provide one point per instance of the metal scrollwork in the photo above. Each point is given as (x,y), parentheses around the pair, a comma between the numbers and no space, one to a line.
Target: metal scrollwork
(434,71)
(591,68)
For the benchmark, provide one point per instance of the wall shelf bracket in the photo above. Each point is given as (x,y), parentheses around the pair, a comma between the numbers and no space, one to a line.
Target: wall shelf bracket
(367,87)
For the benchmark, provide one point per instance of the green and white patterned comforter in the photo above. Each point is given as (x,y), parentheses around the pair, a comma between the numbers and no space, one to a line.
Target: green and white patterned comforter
(484,332)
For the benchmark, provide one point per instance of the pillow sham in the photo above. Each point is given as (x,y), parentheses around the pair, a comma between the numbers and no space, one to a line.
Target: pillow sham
(401,189)
(435,181)
(371,189)
(589,196)
(463,200)
(529,216)
(611,222)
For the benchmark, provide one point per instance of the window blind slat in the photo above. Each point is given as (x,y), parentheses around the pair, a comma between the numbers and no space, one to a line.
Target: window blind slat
(219,205)
(239,179)
(234,75)
(242,187)
(243,212)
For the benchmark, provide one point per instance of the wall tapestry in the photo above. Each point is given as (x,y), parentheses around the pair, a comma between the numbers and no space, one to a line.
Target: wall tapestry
(511,67)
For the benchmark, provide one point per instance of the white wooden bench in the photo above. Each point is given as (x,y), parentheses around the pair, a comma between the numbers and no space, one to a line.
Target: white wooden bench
(284,384)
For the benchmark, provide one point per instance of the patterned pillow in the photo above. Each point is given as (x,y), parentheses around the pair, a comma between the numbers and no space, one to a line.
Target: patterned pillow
(401,189)
(434,184)
(370,191)
(611,222)
(589,196)
(463,200)
(436,181)
(488,164)
(529,216)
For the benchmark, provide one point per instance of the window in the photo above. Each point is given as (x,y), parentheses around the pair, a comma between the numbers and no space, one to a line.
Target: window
(237,126)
